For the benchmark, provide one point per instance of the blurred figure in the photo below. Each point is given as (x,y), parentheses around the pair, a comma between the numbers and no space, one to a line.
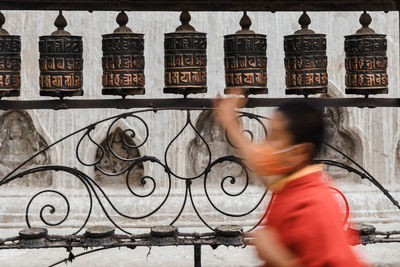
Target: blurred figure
(304,225)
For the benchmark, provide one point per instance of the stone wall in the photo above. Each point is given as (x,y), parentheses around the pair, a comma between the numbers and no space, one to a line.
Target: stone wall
(370,136)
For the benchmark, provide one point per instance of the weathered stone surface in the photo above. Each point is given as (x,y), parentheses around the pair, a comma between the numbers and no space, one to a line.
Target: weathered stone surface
(370,135)
(122,146)
(19,140)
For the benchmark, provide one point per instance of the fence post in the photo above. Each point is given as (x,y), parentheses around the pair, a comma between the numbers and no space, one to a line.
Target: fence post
(197,255)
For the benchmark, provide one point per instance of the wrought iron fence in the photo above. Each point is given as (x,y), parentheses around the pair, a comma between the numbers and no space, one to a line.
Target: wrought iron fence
(104,237)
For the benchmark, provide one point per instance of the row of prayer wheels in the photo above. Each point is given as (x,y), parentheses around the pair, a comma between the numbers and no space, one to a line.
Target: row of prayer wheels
(61,61)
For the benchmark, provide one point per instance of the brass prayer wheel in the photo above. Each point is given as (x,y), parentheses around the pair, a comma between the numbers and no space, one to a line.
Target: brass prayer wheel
(245,61)
(305,61)
(366,61)
(10,62)
(123,61)
(60,62)
(185,59)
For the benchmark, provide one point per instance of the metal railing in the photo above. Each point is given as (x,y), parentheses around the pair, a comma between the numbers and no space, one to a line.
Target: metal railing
(102,238)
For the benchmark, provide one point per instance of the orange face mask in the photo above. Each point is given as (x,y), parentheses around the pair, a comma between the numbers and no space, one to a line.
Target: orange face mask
(271,162)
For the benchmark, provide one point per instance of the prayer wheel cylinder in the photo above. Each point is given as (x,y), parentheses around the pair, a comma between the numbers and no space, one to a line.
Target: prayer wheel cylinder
(60,62)
(10,62)
(305,61)
(366,61)
(123,61)
(185,60)
(245,61)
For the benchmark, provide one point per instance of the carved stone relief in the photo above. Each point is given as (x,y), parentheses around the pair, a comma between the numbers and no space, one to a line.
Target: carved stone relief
(111,164)
(19,140)
(342,138)
(197,154)
(397,160)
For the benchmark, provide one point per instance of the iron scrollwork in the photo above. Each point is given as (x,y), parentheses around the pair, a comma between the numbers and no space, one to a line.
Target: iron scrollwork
(95,192)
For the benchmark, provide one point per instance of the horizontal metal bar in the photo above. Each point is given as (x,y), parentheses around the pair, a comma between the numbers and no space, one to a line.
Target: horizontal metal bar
(203,5)
(148,242)
(118,241)
(188,103)
(137,243)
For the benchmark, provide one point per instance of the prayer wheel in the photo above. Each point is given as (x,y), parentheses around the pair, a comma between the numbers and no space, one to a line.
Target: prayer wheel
(366,61)
(60,62)
(10,62)
(185,59)
(123,61)
(305,61)
(245,61)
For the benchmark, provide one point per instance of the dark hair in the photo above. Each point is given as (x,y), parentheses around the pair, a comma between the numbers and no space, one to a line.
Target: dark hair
(306,122)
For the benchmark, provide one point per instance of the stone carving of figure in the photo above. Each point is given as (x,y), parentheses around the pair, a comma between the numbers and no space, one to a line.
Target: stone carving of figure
(18,141)
(340,138)
(112,164)
(197,154)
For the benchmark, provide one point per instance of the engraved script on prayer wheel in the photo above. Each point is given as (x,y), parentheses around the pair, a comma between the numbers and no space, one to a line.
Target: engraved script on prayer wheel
(245,61)
(185,59)
(366,61)
(10,62)
(123,61)
(60,62)
(305,61)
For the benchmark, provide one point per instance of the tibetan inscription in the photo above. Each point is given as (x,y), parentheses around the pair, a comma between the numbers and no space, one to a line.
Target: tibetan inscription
(123,64)
(366,64)
(306,64)
(185,63)
(245,63)
(10,65)
(60,66)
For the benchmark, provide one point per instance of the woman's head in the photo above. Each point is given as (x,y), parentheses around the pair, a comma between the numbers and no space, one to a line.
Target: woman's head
(298,126)
(304,122)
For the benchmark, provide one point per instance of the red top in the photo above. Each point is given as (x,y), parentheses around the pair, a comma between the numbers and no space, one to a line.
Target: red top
(308,219)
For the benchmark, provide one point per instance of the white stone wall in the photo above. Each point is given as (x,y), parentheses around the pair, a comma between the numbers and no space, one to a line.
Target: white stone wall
(376,128)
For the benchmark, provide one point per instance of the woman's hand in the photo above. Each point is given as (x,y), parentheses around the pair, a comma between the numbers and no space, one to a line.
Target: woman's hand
(225,112)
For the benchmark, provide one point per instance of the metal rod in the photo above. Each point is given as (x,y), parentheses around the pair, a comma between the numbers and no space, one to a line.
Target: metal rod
(188,103)
(203,5)
(197,255)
